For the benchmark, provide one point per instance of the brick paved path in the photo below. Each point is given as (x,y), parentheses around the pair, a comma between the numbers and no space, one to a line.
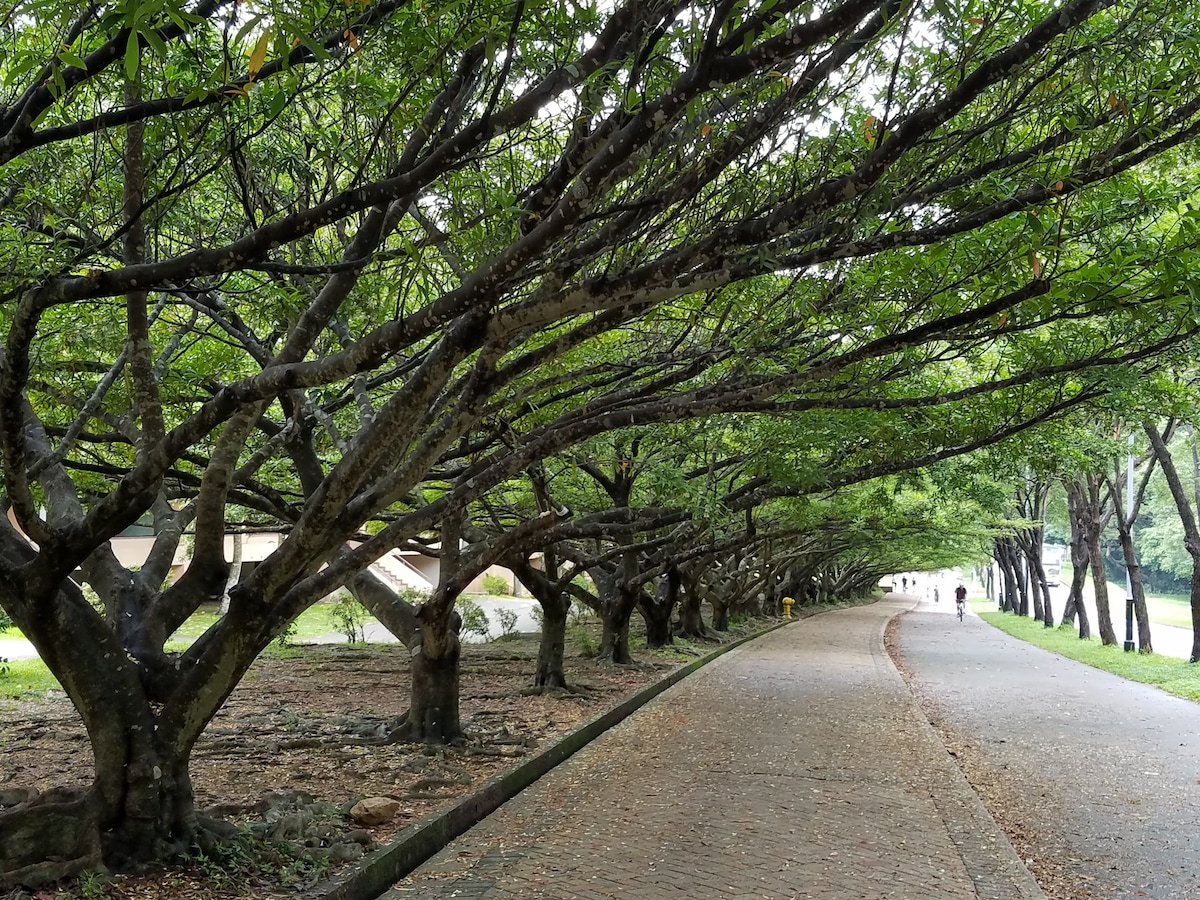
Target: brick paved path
(796,766)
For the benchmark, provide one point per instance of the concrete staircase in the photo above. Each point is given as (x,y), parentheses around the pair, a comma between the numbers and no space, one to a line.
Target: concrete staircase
(394,570)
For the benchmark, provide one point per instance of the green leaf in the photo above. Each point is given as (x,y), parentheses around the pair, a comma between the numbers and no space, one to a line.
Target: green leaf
(133,54)
(155,42)
(71,59)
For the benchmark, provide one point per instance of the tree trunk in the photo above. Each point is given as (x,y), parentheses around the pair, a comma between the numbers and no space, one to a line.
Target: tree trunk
(63,832)
(235,571)
(139,809)
(393,613)
(691,618)
(433,715)
(695,592)
(1195,598)
(1099,578)
(1079,562)
(1004,559)
(1191,530)
(155,818)
(1021,574)
(658,624)
(1031,542)
(1042,605)
(1047,601)
(1137,588)
(1035,589)
(614,635)
(657,610)
(433,711)
(551,671)
(619,595)
(556,608)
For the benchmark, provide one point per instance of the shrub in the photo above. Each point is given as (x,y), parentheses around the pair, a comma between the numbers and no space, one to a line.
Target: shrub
(349,616)
(496,584)
(508,621)
(286,637)
(474,619)
(580,629)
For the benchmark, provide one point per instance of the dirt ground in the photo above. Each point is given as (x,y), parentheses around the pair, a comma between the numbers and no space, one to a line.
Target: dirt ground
(302,725)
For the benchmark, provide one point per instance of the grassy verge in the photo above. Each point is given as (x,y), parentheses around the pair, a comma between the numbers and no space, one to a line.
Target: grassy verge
(1175,676)
(25,676)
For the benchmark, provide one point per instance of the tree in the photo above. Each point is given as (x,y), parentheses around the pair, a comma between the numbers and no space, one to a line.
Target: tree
(1187,516)
(1127,509)
(1080,558)
(350,268)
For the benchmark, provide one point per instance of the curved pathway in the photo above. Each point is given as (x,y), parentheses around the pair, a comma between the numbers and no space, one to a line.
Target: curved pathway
(796,766)
(1100,775)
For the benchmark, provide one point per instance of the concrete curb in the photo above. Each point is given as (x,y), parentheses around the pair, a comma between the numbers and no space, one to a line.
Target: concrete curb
(424,838)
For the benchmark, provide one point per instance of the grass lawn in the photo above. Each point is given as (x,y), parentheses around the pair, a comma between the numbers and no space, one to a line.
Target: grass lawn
(1166,609)
(24,676)
(1170,609)
(316,620)
(1175,676)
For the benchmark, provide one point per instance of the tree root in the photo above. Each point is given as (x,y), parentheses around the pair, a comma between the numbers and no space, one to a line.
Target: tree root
(513,753)
(49,837)
(558,692)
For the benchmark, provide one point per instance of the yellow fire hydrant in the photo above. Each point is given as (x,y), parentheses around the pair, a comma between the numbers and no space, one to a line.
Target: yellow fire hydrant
(787,607)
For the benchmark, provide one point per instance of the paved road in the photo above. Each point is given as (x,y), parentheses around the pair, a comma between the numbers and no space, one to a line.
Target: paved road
(1105,773)
(797,766)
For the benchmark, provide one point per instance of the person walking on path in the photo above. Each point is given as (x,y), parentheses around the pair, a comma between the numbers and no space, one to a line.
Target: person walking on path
(796,766)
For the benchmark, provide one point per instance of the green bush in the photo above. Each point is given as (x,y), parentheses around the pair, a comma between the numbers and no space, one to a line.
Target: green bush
(508,621)
(581,629)
(5,622)
(349,616)
(287,636)
(496,584)
(474,619)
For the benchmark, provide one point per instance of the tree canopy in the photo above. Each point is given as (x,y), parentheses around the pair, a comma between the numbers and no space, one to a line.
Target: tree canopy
(347,270)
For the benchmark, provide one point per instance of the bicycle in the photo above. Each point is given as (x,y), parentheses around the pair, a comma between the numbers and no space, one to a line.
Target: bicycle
(962,606)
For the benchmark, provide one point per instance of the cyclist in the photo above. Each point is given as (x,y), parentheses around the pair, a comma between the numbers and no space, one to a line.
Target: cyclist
(960,598)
